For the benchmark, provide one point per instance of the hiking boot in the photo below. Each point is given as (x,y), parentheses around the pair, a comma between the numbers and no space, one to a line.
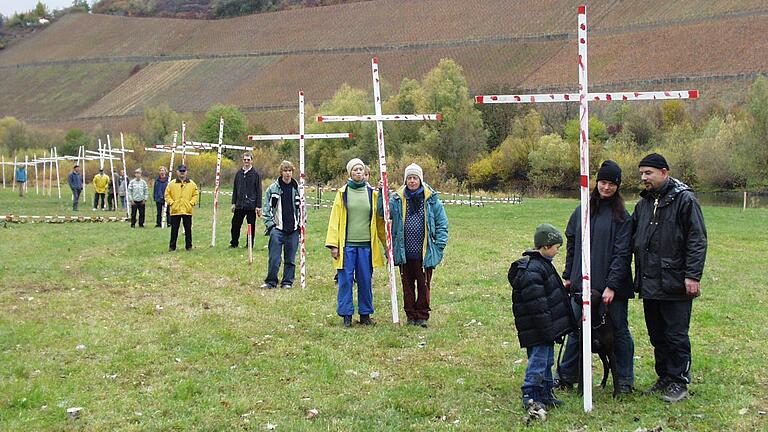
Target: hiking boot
(365,320)
(675,392)
(658,386)
(347,321)
(563,383)
(623,390)
(532,397)
(548,397)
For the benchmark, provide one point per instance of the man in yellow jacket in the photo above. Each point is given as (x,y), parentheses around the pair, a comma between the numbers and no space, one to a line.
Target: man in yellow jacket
(100,183)
(181,197)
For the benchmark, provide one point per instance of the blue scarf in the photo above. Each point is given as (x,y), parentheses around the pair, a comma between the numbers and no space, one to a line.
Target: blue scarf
(415,199)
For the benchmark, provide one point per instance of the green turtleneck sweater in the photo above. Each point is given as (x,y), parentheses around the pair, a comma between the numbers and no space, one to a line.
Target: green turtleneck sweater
(358,216)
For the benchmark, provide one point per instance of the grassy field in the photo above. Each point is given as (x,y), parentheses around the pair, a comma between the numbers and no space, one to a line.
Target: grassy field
(100,316)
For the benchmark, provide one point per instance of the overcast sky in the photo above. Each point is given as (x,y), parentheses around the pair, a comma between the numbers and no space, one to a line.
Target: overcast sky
(8,7)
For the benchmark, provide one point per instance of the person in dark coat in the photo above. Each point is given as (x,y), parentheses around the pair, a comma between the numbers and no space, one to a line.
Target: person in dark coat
(75,181)
(670,247)
(246,199)
(542,314)
(610,275)
(158,195)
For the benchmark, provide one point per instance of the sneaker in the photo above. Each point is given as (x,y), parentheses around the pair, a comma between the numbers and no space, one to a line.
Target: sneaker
(347,321)
(287,286)
(675,392)
(549,399)
(267,286)
(411,321)
(563,383)
(94,209)
(365,320)
(422,323)
(623,390)
(171,249)
(657,387)
(231,246)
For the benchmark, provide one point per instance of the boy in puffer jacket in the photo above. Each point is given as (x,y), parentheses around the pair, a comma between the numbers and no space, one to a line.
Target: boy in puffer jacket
(542,315)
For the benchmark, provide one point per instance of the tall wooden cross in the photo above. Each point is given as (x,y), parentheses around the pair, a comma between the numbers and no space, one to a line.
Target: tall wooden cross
(302,176)
(380,118)
(583,97)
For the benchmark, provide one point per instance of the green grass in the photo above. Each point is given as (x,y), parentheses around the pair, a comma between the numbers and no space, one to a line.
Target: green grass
(186,341)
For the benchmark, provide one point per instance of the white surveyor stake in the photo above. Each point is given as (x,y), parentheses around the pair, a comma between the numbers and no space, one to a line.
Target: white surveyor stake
(302,176)
(379,118)
(583,96)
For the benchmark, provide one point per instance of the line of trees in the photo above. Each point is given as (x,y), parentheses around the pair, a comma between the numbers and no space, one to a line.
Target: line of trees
(489,147)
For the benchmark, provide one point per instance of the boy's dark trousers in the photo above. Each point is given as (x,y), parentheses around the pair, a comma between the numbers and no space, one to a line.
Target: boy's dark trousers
(175,222)
(159,216)
(140,207)
(75,198)
(416,285)
(96,197)
(237,223)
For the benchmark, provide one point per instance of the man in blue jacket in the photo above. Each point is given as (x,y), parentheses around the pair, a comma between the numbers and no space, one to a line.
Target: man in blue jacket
(75,181)
(419,237)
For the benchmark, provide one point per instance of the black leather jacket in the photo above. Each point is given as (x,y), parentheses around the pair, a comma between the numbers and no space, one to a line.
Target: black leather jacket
(669,241)
(246,194)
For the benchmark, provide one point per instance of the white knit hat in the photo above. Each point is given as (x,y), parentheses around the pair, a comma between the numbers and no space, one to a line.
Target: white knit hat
(352,163)
(413,169)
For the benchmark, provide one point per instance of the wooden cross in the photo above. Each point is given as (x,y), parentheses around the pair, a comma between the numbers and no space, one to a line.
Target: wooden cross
(584,97)
(302,176)
(380,118)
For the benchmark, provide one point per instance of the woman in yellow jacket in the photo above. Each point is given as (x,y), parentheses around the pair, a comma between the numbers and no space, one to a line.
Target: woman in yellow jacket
(100,183)
(354,233)
(181,196)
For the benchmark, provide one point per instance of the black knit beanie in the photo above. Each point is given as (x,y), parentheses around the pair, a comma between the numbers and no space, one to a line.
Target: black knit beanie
(610,171)
(654,160)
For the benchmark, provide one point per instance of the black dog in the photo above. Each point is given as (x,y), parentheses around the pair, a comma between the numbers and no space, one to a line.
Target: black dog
(603,344)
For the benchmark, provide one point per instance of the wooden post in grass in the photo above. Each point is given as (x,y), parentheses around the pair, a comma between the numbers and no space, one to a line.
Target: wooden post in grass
(302,178)
(34,159)
(583,97)
(379,118)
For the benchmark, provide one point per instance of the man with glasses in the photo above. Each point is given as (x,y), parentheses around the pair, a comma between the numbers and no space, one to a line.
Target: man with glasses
(246,199)
(181,196)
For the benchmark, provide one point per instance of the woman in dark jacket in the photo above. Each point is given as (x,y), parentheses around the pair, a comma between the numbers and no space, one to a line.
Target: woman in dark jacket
(611,237)
(158,194)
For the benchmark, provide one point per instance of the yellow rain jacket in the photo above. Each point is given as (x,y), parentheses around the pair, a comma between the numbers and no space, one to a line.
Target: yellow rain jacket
(181,197)
(337,229)
(100,183)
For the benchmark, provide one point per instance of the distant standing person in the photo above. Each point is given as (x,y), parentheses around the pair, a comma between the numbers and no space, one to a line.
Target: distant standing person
(282,217)
(138,193)
(246,199)
(21,178)
(114,182)
(181,195)
(419,237)
(355,232)
(611,276)
(670,247)
(100,184)
(158,195)
(121,188)
(75,181)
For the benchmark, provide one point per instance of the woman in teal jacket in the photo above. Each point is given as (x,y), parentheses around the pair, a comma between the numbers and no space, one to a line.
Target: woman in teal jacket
(419,237)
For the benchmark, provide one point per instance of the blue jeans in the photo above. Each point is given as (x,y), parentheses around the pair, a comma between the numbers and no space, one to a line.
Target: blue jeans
(538,373)
(286,245)
(624,348)
(358,267)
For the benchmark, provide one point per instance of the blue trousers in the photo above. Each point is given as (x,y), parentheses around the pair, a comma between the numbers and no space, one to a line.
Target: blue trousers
(624,345)
(358,266)
(286,245)
(538,373)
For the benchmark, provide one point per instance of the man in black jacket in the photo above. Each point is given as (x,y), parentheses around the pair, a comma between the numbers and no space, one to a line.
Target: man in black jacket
(246,199)
(670,246)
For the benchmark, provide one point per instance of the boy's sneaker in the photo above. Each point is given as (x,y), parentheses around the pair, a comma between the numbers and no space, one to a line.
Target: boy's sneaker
(563,383)
(659,386)
(549,399)
(675,392)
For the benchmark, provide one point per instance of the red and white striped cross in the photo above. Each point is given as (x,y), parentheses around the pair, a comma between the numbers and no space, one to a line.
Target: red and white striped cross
(380,118)
(584,97)
(302,176)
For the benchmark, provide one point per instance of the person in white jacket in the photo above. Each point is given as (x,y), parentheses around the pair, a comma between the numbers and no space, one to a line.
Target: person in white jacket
(138,193)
